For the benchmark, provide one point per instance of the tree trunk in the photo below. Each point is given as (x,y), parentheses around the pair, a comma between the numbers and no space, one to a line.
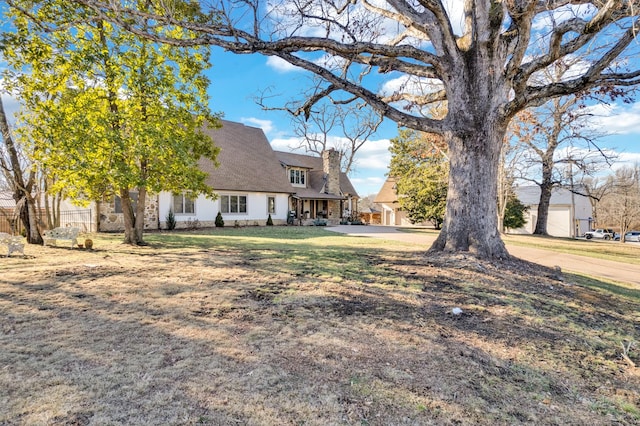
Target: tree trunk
(21,187)
(140,210)
(129,216)
(543,209)
(133,219)
(471,219)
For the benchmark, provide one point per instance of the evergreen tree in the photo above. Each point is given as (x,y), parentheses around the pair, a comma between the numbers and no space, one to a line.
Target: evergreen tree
(219,221)
(514,213)
(420,169)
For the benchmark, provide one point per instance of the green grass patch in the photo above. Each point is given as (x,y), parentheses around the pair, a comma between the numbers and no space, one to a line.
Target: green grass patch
(607,250)
(620,289)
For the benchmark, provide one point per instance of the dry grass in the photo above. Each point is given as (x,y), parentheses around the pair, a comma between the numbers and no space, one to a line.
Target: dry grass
(597,249)
(299,326)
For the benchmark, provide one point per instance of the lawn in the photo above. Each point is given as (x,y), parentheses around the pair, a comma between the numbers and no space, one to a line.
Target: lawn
(597,249)
(292,326)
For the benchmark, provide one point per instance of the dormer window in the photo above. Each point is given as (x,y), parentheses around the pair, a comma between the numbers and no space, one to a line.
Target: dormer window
(297,177)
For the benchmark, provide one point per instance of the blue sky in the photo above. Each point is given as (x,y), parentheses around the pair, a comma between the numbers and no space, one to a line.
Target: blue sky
(237,79)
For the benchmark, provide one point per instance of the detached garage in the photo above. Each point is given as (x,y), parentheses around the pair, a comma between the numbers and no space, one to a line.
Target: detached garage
(569,212)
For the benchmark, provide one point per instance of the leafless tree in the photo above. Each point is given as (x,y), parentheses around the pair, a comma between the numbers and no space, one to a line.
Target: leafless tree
(21,179)
(622,205)
(510,157)
(597,188)
(331,123)
(483,61)
(559,149)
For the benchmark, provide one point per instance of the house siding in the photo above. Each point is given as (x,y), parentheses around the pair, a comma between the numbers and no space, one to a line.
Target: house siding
(559,222)
(206,210)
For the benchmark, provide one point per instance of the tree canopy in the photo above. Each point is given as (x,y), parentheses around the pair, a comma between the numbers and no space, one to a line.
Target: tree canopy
(420,169)
(485,59)
(109,112)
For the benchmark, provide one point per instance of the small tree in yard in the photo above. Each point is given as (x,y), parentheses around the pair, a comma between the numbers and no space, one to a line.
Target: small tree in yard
(483,60)
(420,168)
(219,221)
(269,220)
(171,220)
(109,113)
(514,213)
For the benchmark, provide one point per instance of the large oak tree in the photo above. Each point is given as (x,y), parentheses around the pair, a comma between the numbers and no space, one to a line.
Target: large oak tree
(485,62)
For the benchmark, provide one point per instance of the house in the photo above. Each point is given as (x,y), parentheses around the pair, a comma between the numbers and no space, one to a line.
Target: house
(387,198)
(570,214)
(322,191)
(252,182)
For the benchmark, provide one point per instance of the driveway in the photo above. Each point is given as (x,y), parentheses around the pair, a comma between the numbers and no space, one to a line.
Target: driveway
(616,271)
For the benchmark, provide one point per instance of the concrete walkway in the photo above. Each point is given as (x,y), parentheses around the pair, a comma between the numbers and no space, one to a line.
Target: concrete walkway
(616,271)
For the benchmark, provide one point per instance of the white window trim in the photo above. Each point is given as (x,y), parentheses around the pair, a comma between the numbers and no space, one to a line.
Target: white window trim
(275,204)
(195,209)
(246,206)
(303,172)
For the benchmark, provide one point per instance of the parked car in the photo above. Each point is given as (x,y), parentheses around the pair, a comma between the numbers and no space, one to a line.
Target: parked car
(604,234)
(632,236)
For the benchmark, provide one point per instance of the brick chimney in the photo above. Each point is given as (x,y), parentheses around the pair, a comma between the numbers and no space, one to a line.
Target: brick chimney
(331,169)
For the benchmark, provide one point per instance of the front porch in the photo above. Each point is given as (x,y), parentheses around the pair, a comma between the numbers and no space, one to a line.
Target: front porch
(331,208)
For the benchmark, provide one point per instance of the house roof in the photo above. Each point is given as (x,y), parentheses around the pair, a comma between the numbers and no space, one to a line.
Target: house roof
(299,160)
(247,162)
(530,195)
(316,181)
(6,200)
(387,193)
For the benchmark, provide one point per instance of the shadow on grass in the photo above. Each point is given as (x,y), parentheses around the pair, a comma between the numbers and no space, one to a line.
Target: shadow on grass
(262,328)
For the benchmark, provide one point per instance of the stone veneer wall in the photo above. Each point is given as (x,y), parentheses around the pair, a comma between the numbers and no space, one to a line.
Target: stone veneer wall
(333,210)
(331,169)
(110,221)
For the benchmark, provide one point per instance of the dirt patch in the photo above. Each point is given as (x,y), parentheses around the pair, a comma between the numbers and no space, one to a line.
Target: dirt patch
(336,335)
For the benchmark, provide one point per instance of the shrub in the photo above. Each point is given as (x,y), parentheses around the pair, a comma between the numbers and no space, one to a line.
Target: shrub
(269,220)
(193,224)
(219,221)
(171,220)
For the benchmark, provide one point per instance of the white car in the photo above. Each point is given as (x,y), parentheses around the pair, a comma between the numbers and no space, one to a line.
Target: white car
(632,236)
(604,234)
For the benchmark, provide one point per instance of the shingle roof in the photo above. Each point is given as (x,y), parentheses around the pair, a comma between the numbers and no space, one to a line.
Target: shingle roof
(247,161)
(387,193)
(316,174)
(299,160)
(530,195)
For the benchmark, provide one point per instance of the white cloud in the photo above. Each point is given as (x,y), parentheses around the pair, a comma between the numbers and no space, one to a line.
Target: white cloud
(455,10)
(266,125)
(367,185)
(410,85)
(285,144)
(280,65)
(627,159)
(614,119)
(552,17)
(374,156)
